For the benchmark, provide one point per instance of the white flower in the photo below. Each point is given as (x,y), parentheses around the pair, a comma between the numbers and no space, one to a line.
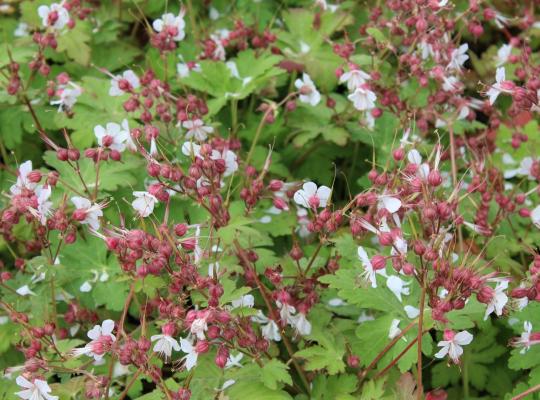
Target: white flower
(25,291)
(101,341)
(36,390)
(394,329)
(525,340)
(535,216)
(369,273)
(412,312)
(450,83)
(144,203)
(55,16)
(500,20)
(301,324)
(21,30)
(227,384)
(501,85)
(213,14)
(270,330)
(308,92)
(503,54)
(234,361)
(414,157)
(130,144)
(458,57)
(191,149)
(426,50)
(499,299)
(245,301)
(452,345)
(92,211)
(304,47)
(336,302)
(363,99)
(191,354)
(198,327)
(398,286)
(391,204)
(43,204)
(364,317)
(219,51)
(165,345)
(85,287)
(354,78)
(286,311)
(525,167)
(312,197)
(183,69)
(68,97)
(126,82)
(174,24)
(112,136)
(22,179)
(231,163)
(196,129)
(325,6)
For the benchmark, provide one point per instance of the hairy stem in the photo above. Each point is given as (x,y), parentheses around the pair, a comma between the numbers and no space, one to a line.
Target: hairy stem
(420,388)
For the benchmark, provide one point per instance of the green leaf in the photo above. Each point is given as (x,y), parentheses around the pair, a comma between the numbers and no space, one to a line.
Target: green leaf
(75,43)
(110,294)
(328,354)
(355,290)
(274,372)
(112,175)
(333,387)
(373,389)
(376,34)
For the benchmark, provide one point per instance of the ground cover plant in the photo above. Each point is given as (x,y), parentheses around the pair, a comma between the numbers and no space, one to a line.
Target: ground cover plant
(264,199)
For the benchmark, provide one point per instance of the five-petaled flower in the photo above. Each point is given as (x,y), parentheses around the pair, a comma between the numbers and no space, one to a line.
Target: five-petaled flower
(36,390)
(362,98)
(501,85)
(144,203)
(23,179)
(186,345)
(312,197)
(54,16)
(165,343)
(452,344)
(112,136)
(308,92)
(102,339)
(196,129)
(124,83)
(174,25)
(86,212)
(354,78)
(499,299)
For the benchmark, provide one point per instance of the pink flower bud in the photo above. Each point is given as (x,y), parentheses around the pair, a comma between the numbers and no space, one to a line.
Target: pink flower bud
(202,346)
(399,154)
(296,252)
(434,178)
(386,239)
(448,335)
(34,176)
(168,329)
(378,262)
(485,294)
(222,356)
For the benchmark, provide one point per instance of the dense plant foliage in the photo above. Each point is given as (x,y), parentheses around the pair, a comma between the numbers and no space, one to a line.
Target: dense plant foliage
(263,199)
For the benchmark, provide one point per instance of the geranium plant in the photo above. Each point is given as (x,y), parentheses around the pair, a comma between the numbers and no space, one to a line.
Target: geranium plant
(269,199)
